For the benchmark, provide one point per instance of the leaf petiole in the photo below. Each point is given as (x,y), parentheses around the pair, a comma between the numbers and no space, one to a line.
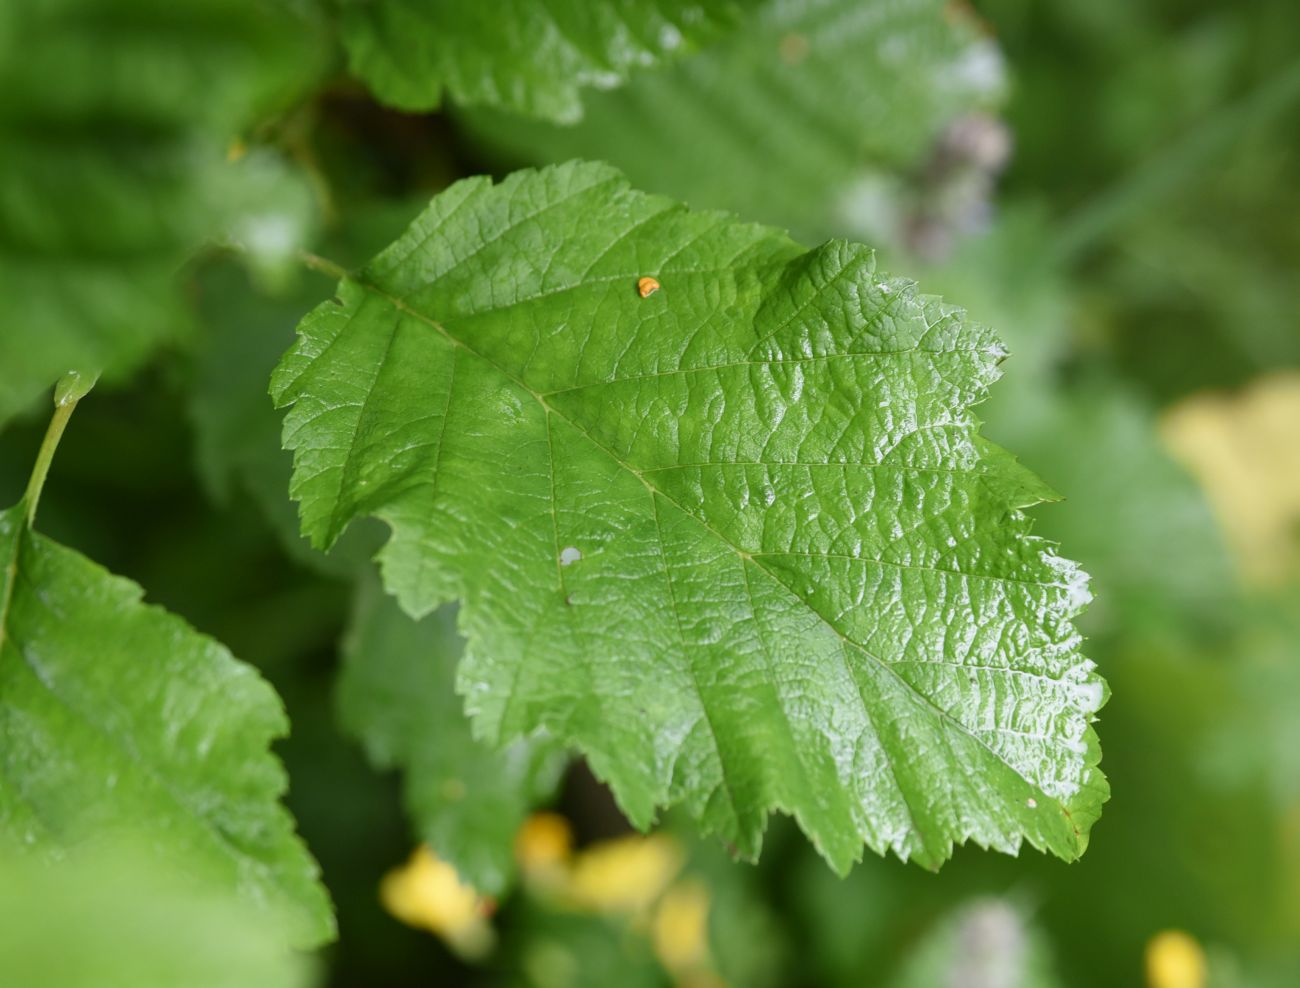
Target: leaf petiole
(323,264)
(74,386)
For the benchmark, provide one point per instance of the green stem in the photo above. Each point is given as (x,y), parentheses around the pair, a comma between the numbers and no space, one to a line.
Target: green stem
(70,390)
(323,264)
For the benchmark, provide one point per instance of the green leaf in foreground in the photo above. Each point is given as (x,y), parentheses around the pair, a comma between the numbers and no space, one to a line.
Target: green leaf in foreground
(396,694)
(817,115)
(117,717)
(529,56)
(739,541)
(112,916)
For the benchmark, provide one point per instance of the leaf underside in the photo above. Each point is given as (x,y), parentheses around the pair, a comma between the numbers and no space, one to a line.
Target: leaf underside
(738,541)
(118,718)
(528,56)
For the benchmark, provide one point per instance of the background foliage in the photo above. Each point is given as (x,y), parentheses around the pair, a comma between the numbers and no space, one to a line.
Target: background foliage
(1110,185)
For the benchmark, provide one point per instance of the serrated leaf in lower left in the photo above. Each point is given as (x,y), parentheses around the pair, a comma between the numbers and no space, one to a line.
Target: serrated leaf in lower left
(117,718)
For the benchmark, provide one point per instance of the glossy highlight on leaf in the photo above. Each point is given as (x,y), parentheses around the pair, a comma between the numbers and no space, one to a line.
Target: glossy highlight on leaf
(797,578)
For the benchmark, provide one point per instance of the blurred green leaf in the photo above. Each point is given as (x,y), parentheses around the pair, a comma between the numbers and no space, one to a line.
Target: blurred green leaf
(111,916)
(530,56)
(1256,741)
(681,556)
(115,116)
(236,428)
(556,949)
(813,117)
(396,694)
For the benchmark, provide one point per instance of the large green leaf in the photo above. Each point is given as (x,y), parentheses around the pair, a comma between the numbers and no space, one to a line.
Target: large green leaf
(396,694)
(115,116)
(818,115)
(530,56)
(111,916)
(118,717)
(739,540)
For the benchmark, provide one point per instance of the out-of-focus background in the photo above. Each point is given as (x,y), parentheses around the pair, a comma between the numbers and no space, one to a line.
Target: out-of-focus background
(1114,186)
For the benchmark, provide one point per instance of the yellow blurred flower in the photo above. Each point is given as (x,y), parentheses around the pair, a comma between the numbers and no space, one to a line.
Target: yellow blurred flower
(1245,450)
(1175,959)
(681,928)
(543,847)
(427,893)
(633,877)
(624,875)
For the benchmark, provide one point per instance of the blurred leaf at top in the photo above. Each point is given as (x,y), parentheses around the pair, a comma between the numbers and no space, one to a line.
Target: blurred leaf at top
(809,117)
(529,56)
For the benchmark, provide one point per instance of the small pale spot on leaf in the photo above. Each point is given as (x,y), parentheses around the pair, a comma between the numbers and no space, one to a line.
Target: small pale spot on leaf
(570,555)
